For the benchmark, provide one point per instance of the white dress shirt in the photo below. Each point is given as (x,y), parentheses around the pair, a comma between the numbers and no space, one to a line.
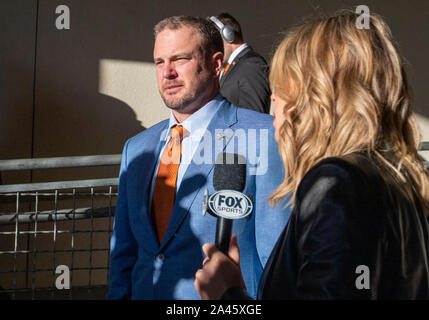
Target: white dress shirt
(235,53)
(195,125)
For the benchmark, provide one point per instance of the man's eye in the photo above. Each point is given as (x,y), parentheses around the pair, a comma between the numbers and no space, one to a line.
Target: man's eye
(182,59)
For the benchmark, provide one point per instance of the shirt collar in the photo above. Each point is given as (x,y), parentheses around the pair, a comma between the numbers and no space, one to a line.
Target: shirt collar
(236,52)
(197,122)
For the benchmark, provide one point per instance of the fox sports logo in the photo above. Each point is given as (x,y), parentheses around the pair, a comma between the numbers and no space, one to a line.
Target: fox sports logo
(230,204)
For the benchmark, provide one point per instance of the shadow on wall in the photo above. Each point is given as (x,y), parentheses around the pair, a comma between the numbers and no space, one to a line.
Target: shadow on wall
(69,121)
(73,122)
(71,117)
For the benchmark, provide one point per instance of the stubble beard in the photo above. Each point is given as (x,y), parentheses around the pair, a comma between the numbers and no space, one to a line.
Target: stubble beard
(185,103)
(180,103)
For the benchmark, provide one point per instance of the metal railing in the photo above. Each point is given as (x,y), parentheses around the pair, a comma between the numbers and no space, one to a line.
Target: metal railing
(45,225)
(67,223)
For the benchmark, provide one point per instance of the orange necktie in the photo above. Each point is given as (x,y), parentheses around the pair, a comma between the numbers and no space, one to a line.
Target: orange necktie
(165,185)
(225,70)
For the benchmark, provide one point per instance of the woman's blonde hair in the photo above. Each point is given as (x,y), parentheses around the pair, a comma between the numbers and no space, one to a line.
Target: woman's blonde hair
(346,91)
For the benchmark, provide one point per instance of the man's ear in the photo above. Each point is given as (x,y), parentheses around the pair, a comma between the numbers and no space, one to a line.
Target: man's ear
(217,60)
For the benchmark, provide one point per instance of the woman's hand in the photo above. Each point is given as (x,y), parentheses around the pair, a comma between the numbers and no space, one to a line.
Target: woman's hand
(219,272)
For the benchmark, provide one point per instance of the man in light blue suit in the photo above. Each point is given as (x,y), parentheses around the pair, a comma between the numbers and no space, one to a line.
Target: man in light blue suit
(145,264)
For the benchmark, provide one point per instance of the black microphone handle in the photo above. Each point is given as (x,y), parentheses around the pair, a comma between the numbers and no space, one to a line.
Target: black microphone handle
(223,234)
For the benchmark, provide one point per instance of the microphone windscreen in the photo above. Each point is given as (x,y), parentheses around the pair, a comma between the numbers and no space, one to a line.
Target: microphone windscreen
(229,172)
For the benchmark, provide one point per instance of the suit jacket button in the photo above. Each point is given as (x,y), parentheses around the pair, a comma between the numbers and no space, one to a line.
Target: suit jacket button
(160,257)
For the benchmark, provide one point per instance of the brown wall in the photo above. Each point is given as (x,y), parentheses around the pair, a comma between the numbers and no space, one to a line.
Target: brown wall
(89,94)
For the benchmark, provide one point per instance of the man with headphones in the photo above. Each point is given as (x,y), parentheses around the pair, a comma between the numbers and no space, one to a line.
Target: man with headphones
(244,79)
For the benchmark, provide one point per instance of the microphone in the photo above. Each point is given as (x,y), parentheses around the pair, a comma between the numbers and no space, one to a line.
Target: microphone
(228,203)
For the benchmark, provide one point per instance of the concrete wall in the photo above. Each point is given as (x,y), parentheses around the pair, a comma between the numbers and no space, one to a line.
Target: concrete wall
(17,58)
(94,85)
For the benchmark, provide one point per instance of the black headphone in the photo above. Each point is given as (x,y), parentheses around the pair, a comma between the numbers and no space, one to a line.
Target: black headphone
(227,33)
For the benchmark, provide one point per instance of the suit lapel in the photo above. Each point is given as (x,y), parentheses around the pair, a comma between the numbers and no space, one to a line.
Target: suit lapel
(196,176)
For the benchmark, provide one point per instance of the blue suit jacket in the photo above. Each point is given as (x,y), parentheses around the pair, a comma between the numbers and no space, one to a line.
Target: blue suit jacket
(140,268)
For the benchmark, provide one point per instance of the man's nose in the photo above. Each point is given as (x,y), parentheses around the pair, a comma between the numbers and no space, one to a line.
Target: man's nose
(169,71)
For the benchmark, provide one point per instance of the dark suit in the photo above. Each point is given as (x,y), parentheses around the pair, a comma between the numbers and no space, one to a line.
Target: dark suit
(347,216)
(246,82)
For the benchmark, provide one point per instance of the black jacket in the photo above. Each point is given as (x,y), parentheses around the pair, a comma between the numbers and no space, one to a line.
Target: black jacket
(246,82)
(346,216)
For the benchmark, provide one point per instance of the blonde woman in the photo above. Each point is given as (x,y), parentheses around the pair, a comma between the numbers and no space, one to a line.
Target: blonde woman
(360,192)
